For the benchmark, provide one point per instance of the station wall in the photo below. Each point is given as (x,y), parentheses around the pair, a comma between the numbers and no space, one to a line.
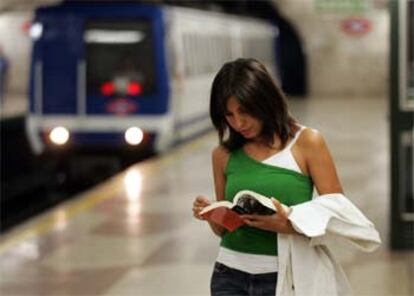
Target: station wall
(15,43)
(341,63)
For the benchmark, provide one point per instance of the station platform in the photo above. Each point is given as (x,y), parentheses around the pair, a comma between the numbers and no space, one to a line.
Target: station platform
(135,234)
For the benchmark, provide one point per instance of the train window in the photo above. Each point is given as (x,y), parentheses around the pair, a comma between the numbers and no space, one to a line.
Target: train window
(212,57)
(119,57)
(216,59)
(221,49)
(191,54)
(194,54)
(185,54)
(204,54)
(188,48)
(198,55)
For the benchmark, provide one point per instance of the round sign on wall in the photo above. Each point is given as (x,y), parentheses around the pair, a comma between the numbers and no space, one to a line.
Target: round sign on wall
(356,26)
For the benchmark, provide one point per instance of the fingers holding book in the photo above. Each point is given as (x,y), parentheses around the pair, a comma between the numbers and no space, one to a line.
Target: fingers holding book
(277,222)
(280,208)
(247,207)
(199,204)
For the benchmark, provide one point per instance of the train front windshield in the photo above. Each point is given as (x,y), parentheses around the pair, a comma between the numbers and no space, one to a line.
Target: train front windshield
(119,58)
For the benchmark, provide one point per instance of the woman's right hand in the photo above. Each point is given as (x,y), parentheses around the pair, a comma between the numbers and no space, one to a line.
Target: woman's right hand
(199,204)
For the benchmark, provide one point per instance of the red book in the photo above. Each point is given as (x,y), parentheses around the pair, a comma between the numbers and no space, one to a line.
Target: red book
(227,214)
(224,216)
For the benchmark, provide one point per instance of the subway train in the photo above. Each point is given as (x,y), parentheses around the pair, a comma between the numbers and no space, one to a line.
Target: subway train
(114,75)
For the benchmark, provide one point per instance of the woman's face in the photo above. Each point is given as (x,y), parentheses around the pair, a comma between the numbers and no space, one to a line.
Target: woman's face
(241,121)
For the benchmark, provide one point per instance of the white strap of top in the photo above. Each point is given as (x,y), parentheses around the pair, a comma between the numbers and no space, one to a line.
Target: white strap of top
(295,138)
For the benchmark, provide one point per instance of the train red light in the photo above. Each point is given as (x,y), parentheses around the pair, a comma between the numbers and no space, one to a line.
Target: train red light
(108,88)
(134,89)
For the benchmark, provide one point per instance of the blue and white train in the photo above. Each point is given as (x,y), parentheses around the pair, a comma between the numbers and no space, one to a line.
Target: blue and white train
(128,74)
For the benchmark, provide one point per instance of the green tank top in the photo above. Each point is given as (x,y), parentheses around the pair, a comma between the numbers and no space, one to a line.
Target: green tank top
(245,173)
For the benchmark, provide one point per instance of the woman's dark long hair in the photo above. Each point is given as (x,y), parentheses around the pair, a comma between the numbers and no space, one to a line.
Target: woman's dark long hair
(248,81)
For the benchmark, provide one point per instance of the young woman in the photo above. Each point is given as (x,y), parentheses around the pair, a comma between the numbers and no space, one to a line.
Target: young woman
(264,149)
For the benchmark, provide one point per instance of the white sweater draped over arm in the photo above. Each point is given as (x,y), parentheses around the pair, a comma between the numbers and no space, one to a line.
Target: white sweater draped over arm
(306,265)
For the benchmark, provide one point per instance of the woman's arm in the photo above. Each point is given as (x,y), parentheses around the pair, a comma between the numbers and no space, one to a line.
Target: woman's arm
(220,157)
(319,162)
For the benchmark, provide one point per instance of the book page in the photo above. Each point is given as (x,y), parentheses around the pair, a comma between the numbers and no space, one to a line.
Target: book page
(267,202)
(222,203)
(250,202)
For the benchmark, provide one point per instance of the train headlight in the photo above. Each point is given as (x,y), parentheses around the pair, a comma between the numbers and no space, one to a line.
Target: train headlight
(134,135)
(59,135)
(36,31)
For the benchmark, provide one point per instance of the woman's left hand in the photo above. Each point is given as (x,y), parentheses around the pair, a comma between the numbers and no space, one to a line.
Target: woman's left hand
(278,222)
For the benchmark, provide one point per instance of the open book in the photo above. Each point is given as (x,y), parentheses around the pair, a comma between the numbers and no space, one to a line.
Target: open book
(227,214)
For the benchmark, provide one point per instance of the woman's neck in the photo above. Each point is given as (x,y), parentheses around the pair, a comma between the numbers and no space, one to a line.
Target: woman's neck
(261,143)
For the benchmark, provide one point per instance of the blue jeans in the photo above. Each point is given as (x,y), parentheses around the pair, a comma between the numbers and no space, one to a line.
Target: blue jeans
(227,281)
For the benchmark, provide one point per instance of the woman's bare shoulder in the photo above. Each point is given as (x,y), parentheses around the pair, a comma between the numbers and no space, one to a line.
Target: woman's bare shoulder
(220,152)
(311,140)
(220,155)
(319,162)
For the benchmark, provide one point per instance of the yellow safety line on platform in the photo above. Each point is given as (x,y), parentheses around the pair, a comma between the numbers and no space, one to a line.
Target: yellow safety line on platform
(90,198)
(47,221)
